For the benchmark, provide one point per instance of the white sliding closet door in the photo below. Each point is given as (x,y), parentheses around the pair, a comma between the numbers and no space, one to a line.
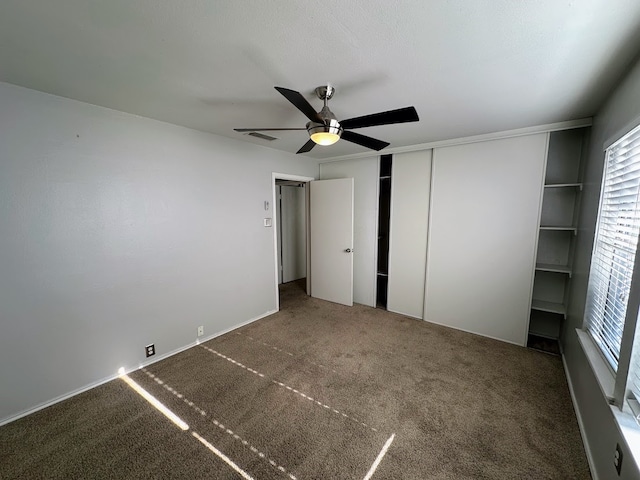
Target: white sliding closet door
(410,186)
(485,207)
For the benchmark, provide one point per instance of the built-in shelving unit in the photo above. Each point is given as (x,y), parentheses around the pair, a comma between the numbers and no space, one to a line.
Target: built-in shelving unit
(384,218)
(556,237)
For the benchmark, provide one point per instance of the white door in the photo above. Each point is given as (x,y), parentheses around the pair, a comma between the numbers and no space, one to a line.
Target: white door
(331,234)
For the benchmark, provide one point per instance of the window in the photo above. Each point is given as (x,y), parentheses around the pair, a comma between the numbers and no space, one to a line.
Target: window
(615,245)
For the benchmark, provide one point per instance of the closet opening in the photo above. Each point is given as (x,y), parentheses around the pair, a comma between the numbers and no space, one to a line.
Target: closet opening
(384,212)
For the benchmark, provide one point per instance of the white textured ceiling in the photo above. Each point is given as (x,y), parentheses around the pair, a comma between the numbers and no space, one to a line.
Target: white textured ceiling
(468,66)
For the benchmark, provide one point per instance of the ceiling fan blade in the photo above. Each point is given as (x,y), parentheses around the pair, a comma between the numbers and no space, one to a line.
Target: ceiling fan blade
(401,115)
(372,143)
(307,147)
(300,103)
(265,129)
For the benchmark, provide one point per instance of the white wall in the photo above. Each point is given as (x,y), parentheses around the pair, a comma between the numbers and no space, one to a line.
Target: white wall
(410,191)
(120,231)
(617,115)
(365,173)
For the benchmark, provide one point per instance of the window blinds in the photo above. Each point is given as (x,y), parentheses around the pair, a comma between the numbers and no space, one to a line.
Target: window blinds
(615,246)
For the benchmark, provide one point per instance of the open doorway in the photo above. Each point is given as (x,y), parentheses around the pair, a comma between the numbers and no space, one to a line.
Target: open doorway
(291,232)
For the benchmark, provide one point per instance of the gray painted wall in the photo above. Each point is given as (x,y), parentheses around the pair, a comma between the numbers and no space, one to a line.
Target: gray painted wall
(120,231)
(617,115)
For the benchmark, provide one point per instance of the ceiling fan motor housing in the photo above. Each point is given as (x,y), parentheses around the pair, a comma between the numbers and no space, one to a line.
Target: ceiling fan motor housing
(326,115)
(328,132)
(325,133)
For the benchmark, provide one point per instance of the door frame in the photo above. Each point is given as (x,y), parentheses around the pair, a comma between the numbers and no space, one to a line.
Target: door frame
(298,178)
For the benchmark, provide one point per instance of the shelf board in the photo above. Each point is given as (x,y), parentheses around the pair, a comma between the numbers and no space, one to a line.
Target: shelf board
(544,343)
(564,185)
(550,307)
(550,267)
(559,228)
(543,335)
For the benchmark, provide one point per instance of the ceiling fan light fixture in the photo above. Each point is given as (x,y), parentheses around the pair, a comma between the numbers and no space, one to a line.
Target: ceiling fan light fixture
(324,129)
(325,134)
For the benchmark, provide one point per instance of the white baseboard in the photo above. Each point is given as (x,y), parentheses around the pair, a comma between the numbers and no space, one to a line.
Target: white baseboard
(80,390)
(523,344)
(583,433)
(198,341)
(405,314)
(41,406)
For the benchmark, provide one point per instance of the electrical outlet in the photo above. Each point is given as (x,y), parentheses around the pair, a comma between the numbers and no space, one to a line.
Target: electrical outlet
(617,458)
(201,330)
(150,349)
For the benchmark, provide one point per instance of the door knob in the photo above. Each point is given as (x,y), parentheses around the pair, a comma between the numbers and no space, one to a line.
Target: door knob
(348,250)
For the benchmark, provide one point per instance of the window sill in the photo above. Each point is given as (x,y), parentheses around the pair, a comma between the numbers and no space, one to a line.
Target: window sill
(629,430)
(627,425)
(601,370)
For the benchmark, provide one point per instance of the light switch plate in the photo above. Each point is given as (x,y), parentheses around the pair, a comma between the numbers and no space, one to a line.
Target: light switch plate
(267,222)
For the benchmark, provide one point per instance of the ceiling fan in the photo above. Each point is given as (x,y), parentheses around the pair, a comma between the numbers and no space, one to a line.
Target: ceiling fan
(325,129)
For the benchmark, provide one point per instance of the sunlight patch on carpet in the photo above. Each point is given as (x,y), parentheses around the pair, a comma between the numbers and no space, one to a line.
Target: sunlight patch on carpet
(379,458)
(154,401)
(223,457)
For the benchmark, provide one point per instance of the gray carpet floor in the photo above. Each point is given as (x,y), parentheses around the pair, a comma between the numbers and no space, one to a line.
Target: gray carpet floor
(315,392)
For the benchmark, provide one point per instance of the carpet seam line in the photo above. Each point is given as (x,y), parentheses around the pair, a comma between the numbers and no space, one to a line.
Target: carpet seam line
(218,424)
(277,349)
(281,384)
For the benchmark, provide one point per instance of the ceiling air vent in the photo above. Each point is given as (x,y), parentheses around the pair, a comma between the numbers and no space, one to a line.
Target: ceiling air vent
(262,136)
